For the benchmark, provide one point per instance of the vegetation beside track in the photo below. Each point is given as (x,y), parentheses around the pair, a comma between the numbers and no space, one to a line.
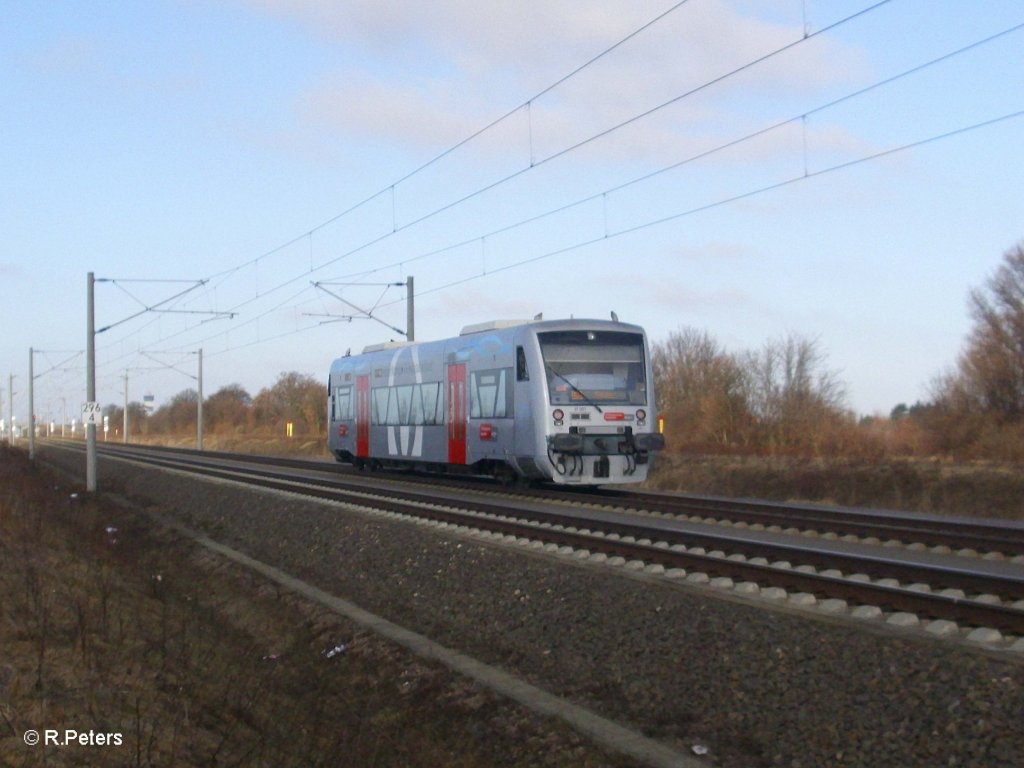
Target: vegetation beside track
(112,626)
(981,489)
(939,486)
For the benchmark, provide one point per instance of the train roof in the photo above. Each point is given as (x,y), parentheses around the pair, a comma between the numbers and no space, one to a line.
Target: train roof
(539,323)
(536,323)
(387,345)
(492,325)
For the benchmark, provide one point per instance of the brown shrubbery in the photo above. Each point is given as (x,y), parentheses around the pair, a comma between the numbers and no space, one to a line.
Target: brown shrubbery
(783,401)
(231,412)
(780,400)
(979,408)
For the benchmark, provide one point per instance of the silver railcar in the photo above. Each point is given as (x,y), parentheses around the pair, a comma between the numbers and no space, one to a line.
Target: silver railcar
(566,401)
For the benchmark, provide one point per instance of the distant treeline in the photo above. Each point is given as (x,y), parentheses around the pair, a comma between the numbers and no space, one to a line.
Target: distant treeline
(783,400)
(294,398)
(779,400)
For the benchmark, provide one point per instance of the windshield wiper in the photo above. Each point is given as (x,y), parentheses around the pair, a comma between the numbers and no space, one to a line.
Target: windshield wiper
(574,387)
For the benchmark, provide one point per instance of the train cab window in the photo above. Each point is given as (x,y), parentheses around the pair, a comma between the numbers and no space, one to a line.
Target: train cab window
(594,367)
(522,371)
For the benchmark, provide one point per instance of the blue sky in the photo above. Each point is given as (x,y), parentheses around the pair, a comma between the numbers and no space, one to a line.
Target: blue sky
(221,141)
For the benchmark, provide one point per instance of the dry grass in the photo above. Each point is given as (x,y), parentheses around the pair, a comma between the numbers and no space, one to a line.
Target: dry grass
(862,479)
(110,626)
(943,487)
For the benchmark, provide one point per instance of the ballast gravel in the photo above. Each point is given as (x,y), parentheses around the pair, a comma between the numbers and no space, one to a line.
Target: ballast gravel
(689,665)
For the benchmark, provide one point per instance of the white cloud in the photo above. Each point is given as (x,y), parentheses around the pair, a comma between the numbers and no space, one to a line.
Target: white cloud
(437,72)
(468,300)
(422,113)
(11,271)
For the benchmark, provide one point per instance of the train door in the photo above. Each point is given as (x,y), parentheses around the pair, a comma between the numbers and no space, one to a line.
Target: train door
(362,416)
(458,412)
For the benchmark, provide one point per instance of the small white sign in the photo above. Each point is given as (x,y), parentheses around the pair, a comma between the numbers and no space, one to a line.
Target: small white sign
(92,414)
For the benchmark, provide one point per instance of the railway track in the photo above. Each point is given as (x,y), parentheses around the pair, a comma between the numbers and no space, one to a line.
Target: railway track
(942,534)
(946,594)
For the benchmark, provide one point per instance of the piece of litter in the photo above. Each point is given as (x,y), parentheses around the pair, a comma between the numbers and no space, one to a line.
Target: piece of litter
(699,749)
(74,495)
(330,653)
(111,530)
(272,657)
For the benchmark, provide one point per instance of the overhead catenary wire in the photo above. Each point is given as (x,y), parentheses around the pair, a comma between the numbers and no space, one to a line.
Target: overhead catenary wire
(390,188)
(645,177)
(532,165)
(682,214)
(556,155)
(802,117)
(604,234)
(802,177)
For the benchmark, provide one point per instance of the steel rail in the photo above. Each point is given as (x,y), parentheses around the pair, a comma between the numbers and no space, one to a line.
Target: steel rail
(982,535)
(651,541)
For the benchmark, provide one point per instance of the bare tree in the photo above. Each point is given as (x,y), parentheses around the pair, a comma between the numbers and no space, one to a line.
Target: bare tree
(228,409)
(178,416)
(978,408)
(295,397)
(790,393)
(992,367)
(700,388)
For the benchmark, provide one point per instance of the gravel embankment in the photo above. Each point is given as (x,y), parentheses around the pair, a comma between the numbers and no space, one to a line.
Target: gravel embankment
(756,687)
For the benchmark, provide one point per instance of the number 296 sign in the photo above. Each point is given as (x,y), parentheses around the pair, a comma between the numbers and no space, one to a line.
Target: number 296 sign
(92,413)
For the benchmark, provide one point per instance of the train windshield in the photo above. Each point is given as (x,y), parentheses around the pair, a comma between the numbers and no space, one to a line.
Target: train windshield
(594,367)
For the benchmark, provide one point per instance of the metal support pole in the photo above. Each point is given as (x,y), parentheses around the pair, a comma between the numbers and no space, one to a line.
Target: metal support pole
(90,386)
(31,405)
(199,413)
(10,407)
(410,314)
(125,407)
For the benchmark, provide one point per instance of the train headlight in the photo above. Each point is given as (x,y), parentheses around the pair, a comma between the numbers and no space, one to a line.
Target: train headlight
(558,415)
(641,415)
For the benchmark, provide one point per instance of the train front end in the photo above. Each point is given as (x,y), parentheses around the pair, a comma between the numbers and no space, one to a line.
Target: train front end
(598,422)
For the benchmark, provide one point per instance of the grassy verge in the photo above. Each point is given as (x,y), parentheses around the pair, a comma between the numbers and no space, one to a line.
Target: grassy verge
(111,628)
(982,489)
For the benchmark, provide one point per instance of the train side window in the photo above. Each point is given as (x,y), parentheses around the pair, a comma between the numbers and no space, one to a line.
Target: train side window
(522,371)
(416,414)
(391,414)
(342,403)
(489,397)
(380,405)
(405,405)
(403,396)
(425,404)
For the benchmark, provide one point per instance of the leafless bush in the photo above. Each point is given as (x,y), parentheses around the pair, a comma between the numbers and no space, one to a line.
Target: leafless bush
(701,389)
(779,399)
(794,399)
(978,409)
